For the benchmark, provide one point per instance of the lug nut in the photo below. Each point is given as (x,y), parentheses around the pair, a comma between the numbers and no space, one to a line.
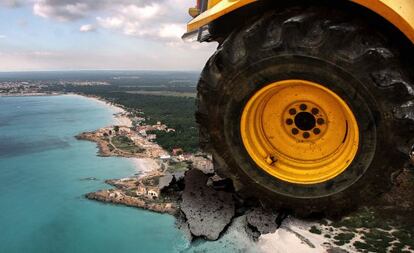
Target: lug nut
(306,135)
(289,121)
(320,121)
(292,111)
(295,131)
(316,131)
(315,111)
(303,107)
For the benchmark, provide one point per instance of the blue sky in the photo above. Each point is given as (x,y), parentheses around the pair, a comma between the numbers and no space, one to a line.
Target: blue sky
(97,34)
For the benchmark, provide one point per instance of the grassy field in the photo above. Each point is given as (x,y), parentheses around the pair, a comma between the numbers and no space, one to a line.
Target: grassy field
(125,144)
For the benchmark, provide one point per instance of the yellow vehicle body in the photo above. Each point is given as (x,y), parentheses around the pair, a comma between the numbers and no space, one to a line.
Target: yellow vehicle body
(398,12)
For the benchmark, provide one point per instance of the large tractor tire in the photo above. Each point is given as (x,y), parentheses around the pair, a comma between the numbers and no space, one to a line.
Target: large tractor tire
(301,108)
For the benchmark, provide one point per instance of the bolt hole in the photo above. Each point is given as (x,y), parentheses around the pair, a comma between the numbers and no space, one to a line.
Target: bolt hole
(320,121)
(289,122)
(315,111)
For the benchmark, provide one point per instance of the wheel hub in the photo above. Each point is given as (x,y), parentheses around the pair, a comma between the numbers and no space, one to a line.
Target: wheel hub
(299,131)
(304,120)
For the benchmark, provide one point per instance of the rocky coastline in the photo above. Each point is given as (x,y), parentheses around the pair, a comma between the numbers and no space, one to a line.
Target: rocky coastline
(117,197)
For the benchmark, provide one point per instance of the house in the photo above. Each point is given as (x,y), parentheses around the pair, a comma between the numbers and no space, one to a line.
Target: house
(177,151)
(151,137)
(165,157)
(123,130)
(104,132)
(188,156)
(141,190)
(139,128)
(153,193)
(143,132)
(116,195)
(160,127)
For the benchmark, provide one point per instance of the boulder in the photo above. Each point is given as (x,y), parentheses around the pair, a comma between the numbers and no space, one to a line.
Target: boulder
(262,220)
(207,211)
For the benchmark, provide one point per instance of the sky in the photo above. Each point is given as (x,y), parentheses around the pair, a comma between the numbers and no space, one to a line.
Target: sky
(98,34)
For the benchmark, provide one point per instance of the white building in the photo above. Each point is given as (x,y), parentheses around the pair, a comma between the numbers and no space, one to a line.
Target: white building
(153,194)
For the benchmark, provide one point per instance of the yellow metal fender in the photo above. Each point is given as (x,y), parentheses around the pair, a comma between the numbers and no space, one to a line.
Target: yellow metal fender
(398,12)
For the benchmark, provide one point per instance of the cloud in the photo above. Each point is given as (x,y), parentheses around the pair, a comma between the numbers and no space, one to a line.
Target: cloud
(2,36)
(156,19)
(132,20)
(67,10)
(60,10)
(11,3)
(171,31)
(87,28)
(157,24)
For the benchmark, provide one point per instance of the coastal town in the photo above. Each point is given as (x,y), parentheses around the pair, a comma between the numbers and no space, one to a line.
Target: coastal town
(43,87)
(153,190)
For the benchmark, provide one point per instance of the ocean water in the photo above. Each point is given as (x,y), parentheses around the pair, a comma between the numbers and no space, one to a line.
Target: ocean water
(42,208)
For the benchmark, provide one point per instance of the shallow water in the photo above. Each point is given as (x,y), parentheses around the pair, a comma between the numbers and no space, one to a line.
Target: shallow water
(42,165)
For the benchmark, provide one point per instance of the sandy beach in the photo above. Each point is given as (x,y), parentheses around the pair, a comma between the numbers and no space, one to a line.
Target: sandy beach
(119,118)
(145,166)
(292,236)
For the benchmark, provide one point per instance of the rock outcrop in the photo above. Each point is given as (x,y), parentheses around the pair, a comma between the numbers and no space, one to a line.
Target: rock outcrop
(263,221)
(208,212)
(116,197)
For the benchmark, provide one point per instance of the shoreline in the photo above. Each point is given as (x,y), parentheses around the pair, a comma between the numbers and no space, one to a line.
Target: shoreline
(142,189)
(119,119)
(141,164)
(31,94)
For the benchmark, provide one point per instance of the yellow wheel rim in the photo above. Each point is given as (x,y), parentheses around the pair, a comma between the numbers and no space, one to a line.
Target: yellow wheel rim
(299,131)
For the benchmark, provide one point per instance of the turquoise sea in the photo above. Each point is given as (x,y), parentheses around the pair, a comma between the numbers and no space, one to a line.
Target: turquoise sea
(42,165)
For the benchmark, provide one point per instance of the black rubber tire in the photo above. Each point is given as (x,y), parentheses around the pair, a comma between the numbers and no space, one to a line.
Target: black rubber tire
(325,46)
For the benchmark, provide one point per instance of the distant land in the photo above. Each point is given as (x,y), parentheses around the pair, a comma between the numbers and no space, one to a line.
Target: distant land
(95,75)
(167,96)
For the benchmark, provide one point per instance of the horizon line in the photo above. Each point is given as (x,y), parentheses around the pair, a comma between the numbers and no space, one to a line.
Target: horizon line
(81,70)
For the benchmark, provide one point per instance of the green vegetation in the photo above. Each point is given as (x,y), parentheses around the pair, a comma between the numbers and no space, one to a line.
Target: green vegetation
(151,181)
(164,93)
(175,112)
(125,144)
(380,231)
(174,167)
(315,230)
(343,238)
